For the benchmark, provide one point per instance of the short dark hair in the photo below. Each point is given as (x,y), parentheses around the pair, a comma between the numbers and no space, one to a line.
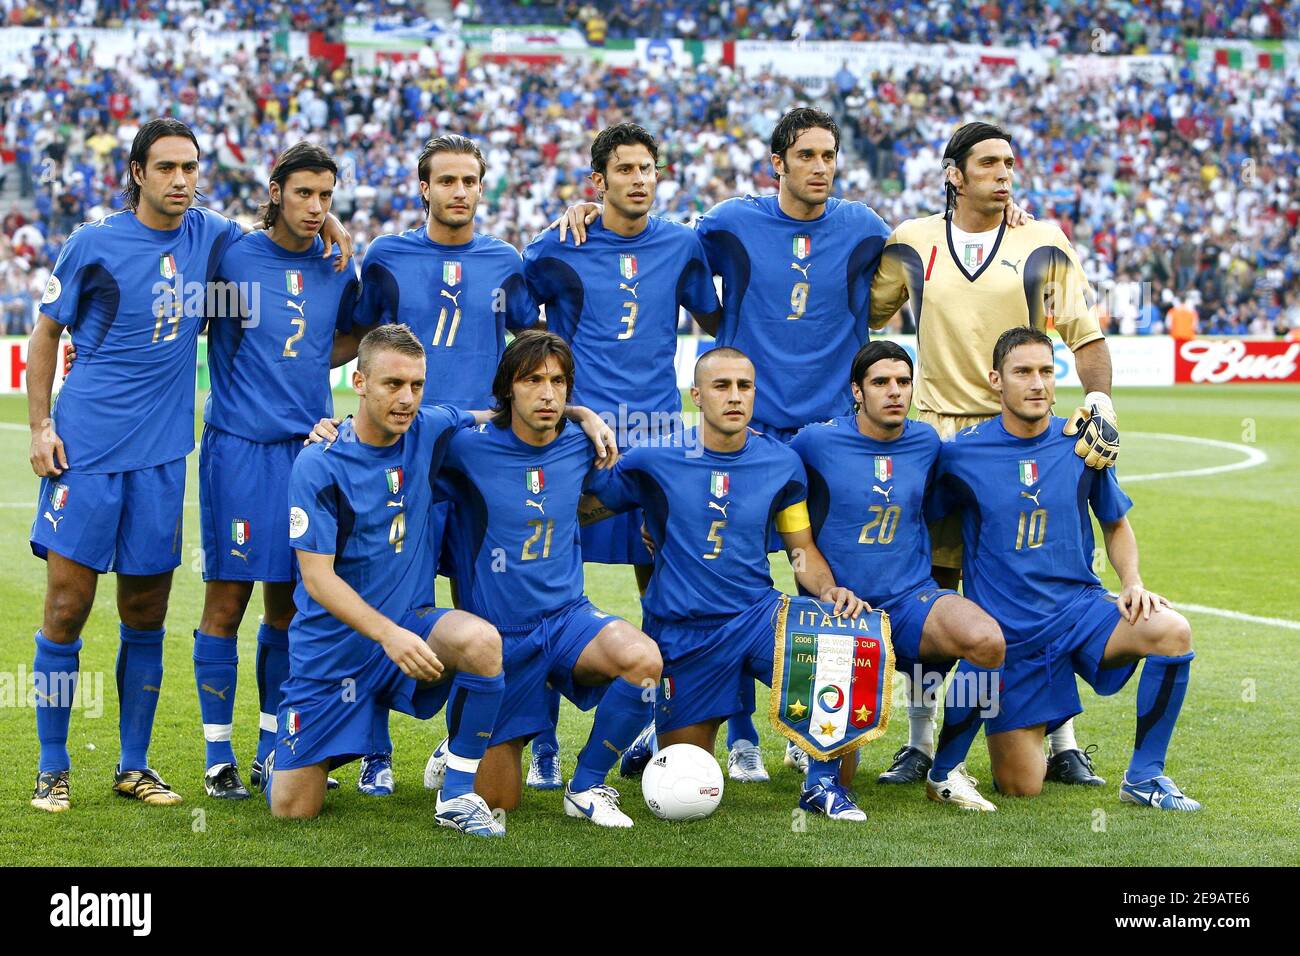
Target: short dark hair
(622,134)
(529,350)
(720,351)
(145,137)
(958,150)
(1015,337)
(875,351)
(796,121)
(387,338)
(448,143)
(299,156)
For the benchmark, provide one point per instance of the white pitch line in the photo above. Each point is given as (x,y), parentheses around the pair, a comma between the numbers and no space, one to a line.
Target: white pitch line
(1254,457)
(1238,616)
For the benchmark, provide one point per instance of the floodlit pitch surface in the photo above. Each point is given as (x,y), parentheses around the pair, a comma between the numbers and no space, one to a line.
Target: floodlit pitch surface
(1224,540)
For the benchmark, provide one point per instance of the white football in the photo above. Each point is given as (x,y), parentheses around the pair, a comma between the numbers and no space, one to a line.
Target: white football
(682,782)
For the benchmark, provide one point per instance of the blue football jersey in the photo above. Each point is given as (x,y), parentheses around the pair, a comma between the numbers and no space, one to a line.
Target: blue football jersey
(369,507)
(615,300)
(270,369)
(1025,528)
(459,301)
(795,299)
(514,524)
(866,501)
(134,299)
(708,513)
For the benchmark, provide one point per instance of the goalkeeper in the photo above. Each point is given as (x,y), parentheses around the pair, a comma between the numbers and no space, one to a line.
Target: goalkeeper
(969,279)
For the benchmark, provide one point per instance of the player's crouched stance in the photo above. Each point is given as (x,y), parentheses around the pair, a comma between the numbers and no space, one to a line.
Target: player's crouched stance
(1028,556)
(361,644)
(433,658)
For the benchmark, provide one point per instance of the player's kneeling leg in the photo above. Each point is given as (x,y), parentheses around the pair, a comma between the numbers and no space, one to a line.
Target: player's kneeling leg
(1019,765)
(628,662)
(298,794)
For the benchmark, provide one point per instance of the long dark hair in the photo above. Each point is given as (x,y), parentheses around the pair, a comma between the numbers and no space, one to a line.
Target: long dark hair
(149,134)
(958,149)
(299,156)
(529,350)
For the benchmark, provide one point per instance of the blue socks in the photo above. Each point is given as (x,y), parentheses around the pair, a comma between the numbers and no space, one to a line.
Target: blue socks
(139,684)
(546,742)
(472,709)
(216,672)
(741,726)
(1161,691)
(620,716)
(823,768)
(54,673)
(272,672)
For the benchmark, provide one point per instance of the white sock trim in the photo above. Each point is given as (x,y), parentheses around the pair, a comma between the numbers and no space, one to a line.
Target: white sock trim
(1062,738)
(267,722)
(217,733)
(463,764)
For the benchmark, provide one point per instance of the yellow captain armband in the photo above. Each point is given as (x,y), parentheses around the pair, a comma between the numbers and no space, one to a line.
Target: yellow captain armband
(793,519)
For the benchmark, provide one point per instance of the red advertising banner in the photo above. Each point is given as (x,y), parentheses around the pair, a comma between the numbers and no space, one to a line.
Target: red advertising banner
(1220,361)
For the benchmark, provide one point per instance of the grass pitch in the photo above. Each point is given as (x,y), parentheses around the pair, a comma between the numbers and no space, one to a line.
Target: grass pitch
(1223,540)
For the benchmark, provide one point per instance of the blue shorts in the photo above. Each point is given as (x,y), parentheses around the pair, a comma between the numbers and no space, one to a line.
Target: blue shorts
(128,522)
(543,656)
(616,540)
(244,507)
(329,720)
(713,665)
(907,617)
(1039,687)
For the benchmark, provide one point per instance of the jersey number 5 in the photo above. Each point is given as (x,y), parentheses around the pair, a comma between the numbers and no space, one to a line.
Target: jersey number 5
(715,536)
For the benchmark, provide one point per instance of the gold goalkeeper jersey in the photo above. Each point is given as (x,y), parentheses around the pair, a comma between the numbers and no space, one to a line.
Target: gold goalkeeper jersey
(1030,276)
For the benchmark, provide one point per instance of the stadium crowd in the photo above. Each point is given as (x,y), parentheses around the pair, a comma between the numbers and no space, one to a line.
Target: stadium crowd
(1180,193)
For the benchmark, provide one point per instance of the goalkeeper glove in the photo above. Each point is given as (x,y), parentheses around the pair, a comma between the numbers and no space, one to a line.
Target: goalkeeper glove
(1094,422)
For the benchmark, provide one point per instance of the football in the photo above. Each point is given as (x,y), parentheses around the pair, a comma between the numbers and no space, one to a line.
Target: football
(682,782)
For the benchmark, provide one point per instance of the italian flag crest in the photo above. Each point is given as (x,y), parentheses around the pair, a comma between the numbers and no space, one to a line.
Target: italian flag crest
(240,531)
(394,476)
(292,722)
(802,246)
(167,266)
(534,480)
(59,496)
(720,484)
(293,281)
(451,274)
(1029,472)
(627,266)
(667,684)
(884,468)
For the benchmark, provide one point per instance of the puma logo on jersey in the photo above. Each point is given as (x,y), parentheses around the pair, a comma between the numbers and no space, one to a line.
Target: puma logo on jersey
(884,491)
(239,554)
(53,520)
(396,504)
(539,505)
(454,298)
(297,306)
(629,288)
(219,694)
(1033,497)
(1013,266)
(722,508)
(803,270)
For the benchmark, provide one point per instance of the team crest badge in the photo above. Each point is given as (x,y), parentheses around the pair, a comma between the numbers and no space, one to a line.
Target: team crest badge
(292,723)
(667,685)
(167,266)
(720,484)
(627,266)
(59,496)
(802,246)
(240,531)
(534,480)
(293,281)
(451,274)
(973,255)
(884,468)
(394,476)
(1029,473)
(831,678)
